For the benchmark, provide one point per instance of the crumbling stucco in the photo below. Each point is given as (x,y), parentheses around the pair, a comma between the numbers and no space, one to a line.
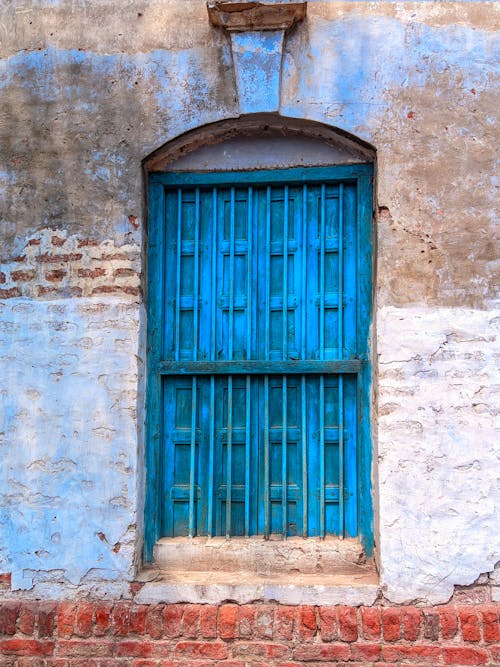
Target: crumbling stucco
(81,105)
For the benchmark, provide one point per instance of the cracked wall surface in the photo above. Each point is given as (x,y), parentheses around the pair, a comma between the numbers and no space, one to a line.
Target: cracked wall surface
(87,91)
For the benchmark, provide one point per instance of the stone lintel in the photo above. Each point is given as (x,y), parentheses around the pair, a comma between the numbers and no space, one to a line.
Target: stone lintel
(245,15)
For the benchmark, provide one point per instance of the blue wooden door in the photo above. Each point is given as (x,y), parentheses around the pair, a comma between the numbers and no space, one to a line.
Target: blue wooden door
(261,350)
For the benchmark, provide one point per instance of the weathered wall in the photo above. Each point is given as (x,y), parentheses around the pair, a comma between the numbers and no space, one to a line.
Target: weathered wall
(87,91)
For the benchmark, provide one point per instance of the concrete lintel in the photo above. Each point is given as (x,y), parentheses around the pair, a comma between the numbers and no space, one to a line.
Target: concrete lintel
(244,15)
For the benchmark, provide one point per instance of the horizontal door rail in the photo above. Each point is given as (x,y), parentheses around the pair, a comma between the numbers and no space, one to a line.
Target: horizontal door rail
(247,367)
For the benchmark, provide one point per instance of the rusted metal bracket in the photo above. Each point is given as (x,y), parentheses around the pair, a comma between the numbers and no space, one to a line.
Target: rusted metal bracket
(246,15)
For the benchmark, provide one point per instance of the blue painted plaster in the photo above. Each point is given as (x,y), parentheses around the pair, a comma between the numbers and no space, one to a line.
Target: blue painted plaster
(257,65)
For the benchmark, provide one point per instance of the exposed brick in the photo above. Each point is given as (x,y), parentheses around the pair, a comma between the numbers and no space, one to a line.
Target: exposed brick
(449,622)
(135,649)
(348,624)
(414,652)
(46,619)
(490,623)
(464,655)
(227,621)
(6,579)
(84,243)
(410,622)
(391,623)
(469,623)
(259,649)
(66,615)
(30,662)
(137,619)
(84,614)
(306,622)
(264,621)
(172,615)
(58,241)
(155,622)
(113,256)
(365,651)
(11,293)
(26,621)
(284,622)
(214,650)
(370,622)
(191,621)
(19,646)
(328,624)
(55,275)
(431,625)
(120,618)
(8,617)
(22,275)
(322,652)
(3,278)
(84,648)
(58,291)
(54,259)
(102,618)
(208,621)
(98,272)
(34,242)
(122,272)
(115,289)
(495,652)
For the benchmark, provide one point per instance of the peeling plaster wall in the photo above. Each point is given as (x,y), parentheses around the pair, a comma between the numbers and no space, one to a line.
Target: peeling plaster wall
(87,90)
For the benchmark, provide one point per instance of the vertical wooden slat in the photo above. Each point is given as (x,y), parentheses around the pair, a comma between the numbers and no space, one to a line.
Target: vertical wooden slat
(229,463)
(211,449)
(266,456)
(341,455)
(178,276)
(322,356)
(303,309)
(192,460)
(322,277)
(247,455)
(341,273)
(303,423)
(249,356)
(229,441)
(285,274)
(284,431)
(196,302)
(322,455)
(266,355)
(341,356)
(285,356)
(231,278)
(213,343)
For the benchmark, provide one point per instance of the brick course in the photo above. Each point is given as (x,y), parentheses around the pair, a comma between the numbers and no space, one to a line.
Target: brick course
(123,634)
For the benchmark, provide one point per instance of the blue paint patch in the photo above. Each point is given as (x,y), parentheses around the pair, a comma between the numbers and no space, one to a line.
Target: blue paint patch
(257,64)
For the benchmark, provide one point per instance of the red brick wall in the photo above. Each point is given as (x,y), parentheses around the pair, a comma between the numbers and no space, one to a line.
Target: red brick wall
(106,634)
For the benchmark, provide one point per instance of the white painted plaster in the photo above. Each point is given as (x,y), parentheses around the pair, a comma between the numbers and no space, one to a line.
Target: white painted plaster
(438,449)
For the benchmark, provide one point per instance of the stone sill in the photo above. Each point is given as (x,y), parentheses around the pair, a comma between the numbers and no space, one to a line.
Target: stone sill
(295,572)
